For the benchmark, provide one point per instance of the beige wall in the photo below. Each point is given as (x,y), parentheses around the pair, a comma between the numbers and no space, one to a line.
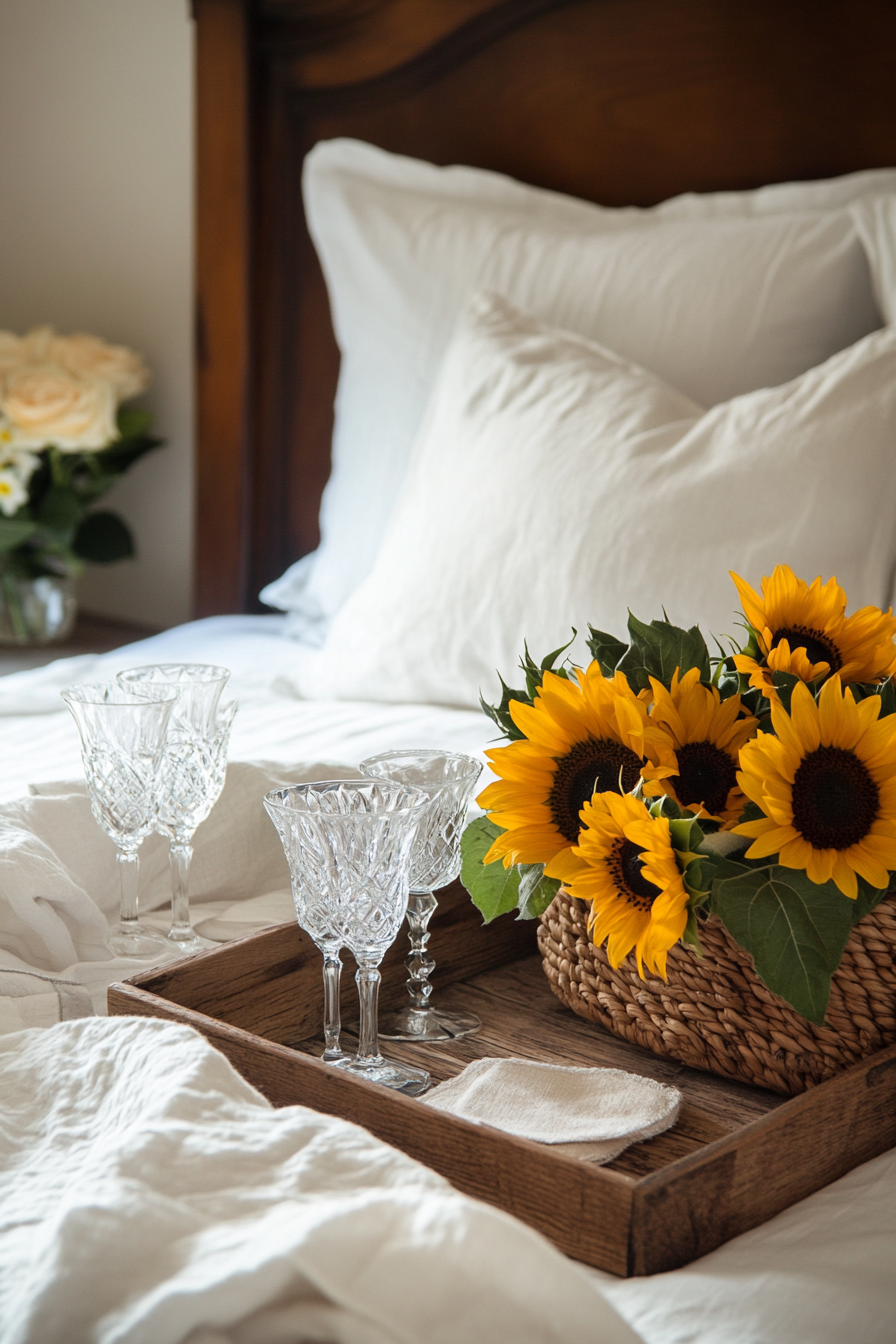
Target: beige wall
(95,235)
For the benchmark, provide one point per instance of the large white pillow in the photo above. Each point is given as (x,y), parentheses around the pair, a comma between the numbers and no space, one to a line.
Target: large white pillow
(554,483)
(717,294)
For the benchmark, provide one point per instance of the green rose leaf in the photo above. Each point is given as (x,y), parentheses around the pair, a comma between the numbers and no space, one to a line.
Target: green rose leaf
(606,649)
(103,538)
(13,531)
(123,453)
(795,930)
(133,422)
(494,889)
(658,649)
(59,510)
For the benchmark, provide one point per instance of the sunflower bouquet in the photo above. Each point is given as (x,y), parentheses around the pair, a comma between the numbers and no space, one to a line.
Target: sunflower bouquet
(662,785)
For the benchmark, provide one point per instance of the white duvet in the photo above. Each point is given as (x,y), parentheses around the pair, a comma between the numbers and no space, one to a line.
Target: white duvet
(148,1194)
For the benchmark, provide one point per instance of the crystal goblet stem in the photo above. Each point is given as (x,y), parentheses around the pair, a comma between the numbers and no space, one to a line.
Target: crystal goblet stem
(348,845)
(193,770)
(367,978)
(422,906)
(128,862)
(180,856)
(332,1018)
(448,779)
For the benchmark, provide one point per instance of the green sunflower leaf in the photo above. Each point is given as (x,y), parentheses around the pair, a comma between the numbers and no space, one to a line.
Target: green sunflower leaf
(665,806)
(887,698)
(606,649)
(795,930)
(691,935)
(658,649)
(535,890)
(785,683)
(534,672)
(494,889)
(863,690)
(868,898)
(500,714)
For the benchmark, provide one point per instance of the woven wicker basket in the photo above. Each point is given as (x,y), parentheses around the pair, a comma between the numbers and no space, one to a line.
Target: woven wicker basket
(716,1014)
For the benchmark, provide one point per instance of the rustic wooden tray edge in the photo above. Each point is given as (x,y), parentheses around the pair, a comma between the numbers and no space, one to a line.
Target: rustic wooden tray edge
(628,1225)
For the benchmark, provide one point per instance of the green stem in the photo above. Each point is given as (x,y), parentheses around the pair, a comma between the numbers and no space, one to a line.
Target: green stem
(14,607)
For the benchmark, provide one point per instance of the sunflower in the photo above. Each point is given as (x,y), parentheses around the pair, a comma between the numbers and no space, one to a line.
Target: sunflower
(803,629)
(582,736)
(827,785)
(624,867)
(706,734)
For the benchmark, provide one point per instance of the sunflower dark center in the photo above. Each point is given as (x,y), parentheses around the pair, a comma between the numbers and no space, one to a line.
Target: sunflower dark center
(592,766)
(819,649)
(627,870)
(706,774)
(835,800)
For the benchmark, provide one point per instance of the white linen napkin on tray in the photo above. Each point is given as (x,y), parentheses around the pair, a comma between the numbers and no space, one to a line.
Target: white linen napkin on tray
(591,1114)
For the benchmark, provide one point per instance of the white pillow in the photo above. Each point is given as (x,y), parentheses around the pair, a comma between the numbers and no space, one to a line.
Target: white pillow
(717,294)
(875,220)
(554,483)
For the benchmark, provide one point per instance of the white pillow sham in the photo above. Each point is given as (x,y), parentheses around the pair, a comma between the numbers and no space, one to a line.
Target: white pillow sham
(717,294)
(554,483)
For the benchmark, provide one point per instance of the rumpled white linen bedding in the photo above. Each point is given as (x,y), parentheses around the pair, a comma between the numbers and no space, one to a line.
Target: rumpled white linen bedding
(148,1194)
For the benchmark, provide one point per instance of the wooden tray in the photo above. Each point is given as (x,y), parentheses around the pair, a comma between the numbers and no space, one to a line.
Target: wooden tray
(736,1156)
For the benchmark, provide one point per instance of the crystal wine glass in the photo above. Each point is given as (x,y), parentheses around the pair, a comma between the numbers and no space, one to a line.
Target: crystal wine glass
(194,764)
(448,778)
(348,844)
(122,739)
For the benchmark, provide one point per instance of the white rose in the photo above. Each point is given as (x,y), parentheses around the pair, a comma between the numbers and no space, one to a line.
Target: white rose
(90,357)
(46,404)
(12,352)
(37,345)
(13,491)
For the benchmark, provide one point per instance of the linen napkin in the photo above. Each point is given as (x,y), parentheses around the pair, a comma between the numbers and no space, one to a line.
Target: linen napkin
(591,1114)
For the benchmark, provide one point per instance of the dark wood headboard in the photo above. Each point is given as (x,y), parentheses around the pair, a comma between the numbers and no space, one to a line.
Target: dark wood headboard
(618,101)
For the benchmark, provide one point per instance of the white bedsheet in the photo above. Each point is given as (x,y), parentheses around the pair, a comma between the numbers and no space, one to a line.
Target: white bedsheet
(821,1273)
(39,742)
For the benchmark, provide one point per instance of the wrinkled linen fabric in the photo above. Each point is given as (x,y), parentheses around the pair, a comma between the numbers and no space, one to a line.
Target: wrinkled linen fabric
(59,886)
(151,1196)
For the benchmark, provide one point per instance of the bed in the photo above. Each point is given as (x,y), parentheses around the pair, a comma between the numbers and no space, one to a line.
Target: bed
(572,118)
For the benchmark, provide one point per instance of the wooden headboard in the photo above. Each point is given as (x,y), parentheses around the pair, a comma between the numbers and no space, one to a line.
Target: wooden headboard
(618,101)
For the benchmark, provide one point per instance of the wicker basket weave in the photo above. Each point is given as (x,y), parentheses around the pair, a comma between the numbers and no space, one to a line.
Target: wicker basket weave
(716,1014)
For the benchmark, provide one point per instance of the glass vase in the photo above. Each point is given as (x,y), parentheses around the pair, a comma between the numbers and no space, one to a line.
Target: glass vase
(36,611)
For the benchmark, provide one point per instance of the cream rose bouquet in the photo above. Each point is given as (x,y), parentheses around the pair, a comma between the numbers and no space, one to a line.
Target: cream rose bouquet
(65,438)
